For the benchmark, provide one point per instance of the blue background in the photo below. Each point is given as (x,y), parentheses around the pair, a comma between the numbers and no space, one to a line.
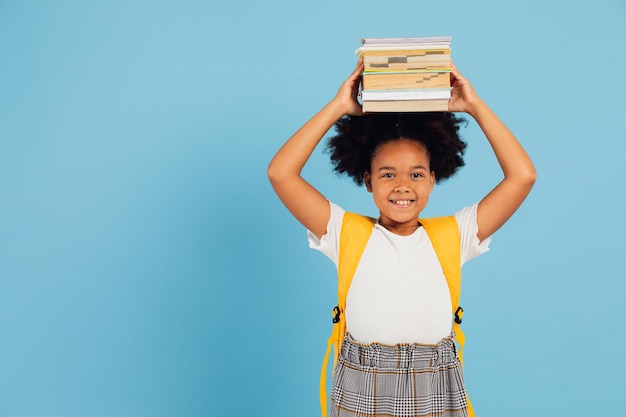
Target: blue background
(147,269)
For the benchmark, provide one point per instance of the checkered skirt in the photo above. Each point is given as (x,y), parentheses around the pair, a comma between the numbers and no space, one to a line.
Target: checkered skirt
(406,380)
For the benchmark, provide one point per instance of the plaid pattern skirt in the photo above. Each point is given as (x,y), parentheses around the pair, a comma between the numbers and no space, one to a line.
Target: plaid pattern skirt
(406,380)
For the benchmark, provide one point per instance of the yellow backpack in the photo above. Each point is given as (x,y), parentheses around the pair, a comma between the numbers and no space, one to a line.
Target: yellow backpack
(355,232)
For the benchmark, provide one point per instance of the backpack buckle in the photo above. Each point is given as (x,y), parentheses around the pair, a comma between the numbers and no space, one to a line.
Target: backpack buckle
(458,315)
(337,313)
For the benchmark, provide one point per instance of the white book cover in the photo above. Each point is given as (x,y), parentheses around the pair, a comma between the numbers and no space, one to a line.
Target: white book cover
(401,44)
(415,94)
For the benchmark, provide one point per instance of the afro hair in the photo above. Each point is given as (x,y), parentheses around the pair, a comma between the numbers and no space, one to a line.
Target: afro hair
(357,138)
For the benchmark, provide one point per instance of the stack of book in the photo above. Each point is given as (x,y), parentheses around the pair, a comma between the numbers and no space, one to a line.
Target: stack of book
(405,74)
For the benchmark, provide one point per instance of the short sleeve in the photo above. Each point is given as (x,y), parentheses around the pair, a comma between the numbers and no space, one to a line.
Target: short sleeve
(471,247)
(329,242)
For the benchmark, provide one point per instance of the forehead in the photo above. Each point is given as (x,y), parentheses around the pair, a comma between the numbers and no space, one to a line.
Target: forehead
(401,152)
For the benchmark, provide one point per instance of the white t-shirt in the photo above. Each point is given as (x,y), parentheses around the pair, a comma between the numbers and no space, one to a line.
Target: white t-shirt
(399,293)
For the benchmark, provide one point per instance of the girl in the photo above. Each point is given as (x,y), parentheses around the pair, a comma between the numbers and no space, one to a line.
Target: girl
(398,357)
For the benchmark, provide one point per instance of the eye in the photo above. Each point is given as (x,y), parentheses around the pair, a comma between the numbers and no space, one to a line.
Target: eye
(387,175)
(417,175)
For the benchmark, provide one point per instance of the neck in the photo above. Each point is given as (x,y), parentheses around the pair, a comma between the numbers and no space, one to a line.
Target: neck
(402,229)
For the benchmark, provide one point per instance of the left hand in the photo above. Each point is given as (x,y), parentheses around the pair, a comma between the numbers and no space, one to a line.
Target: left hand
(463,97)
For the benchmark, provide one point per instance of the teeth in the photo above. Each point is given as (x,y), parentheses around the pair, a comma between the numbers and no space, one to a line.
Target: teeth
(402,202)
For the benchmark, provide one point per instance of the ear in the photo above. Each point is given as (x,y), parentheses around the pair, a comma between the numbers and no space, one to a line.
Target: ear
(367,179)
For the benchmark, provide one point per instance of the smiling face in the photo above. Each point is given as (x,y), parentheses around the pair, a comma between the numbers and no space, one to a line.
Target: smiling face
(401,182)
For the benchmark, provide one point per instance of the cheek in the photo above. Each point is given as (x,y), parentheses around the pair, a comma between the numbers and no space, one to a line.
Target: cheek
(381,190)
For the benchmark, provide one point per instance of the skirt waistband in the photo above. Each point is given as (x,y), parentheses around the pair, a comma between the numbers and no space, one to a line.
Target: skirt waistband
(400,356)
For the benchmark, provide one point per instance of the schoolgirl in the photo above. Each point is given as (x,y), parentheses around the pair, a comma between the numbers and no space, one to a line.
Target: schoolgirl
(398,357)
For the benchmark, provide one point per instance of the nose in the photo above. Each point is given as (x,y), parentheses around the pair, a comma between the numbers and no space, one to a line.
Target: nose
(401,186)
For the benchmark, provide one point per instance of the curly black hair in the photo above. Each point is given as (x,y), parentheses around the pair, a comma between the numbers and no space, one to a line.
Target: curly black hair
(357,138)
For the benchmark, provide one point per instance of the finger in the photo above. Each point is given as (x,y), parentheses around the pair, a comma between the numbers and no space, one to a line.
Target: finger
(455,72)
(359,68)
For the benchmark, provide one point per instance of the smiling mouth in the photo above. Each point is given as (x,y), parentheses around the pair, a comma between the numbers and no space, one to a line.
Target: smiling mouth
(402,203)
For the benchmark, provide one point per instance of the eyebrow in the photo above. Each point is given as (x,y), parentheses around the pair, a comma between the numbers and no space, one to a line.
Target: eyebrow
(390,168)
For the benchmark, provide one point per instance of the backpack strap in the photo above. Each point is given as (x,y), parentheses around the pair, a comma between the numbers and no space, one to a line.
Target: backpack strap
(355,233)
(446,240)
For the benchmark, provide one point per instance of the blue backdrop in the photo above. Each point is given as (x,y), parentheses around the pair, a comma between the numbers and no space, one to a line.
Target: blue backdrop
(147,269)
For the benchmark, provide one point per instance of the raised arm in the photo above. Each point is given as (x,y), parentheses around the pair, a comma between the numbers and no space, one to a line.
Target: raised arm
(519,172)
(305,202)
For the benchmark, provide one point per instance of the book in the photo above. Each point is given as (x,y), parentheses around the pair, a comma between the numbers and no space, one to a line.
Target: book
(407,60)
(416,53)
(413,94)
(403,41)
(398,44)
(425,66)
(405,106)
(405,80)
(405,74)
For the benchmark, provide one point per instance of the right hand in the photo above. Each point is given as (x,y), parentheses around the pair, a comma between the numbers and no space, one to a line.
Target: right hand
(348,92)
